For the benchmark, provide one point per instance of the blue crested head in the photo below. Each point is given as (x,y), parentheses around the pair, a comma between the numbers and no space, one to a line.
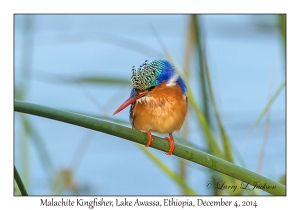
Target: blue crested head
(154,73)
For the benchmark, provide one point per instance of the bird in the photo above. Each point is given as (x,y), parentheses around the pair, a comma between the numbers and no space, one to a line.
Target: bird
(158,100)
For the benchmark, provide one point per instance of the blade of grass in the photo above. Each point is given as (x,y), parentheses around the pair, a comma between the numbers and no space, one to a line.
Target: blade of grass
(187,153)
(87,80)
(201,62)
(267,126)
(40,146)
(175,177)
(267,107)
(225,140)
(19,182)
(282,31)
(25,138)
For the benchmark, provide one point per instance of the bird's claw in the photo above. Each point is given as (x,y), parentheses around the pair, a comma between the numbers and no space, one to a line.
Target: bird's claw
(172,145)
(150,139)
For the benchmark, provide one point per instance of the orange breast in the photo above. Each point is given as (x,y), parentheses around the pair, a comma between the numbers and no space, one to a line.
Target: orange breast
(163,112)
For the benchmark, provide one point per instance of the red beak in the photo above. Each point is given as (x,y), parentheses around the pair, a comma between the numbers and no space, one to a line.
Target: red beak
(129,101)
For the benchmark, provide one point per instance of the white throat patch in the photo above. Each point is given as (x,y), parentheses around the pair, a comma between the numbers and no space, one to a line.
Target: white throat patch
(145,99)
(172,81)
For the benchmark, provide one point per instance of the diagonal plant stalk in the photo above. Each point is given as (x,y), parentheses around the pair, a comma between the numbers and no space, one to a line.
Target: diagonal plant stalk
(41,149)
(266,109)
(225,138)
(198,35)
(177,178)
(19,182)
(281,24)
(191,154)
(52,78)
(268,106)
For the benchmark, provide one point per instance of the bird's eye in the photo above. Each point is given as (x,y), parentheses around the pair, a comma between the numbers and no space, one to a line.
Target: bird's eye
(150,88)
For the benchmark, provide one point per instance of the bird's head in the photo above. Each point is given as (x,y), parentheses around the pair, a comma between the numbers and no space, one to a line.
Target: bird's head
(148,76)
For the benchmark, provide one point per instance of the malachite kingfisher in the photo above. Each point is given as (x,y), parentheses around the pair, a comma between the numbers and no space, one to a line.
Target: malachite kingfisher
(158,100)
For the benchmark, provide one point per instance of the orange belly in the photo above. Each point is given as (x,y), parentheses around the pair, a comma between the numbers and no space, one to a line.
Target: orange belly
(163,112)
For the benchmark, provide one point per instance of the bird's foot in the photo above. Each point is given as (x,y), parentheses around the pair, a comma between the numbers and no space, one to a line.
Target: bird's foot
(150,139)
(172,145)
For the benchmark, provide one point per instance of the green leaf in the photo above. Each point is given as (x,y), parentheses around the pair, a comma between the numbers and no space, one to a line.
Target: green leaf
(181,151)
(270,102)
(178,180)
(19,182)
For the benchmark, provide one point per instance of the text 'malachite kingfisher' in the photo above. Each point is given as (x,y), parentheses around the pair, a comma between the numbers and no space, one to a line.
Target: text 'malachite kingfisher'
(158,100)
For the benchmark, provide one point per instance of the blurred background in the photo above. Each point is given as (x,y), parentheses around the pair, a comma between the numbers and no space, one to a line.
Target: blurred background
(234,65)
